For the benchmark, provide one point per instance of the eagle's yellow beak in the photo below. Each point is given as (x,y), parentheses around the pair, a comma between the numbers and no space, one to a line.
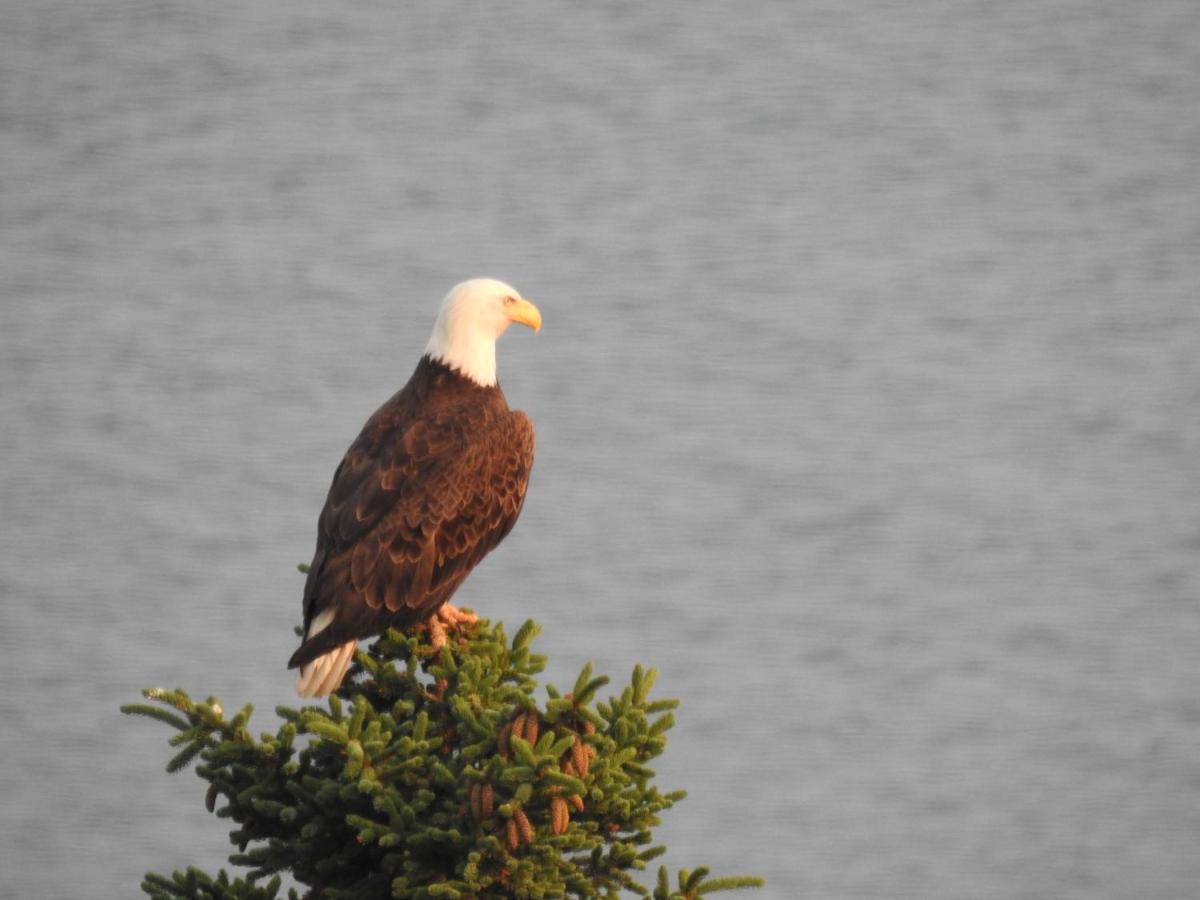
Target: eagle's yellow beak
(526,313)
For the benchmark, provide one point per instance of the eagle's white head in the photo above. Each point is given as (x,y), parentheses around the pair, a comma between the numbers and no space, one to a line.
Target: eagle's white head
(472,318)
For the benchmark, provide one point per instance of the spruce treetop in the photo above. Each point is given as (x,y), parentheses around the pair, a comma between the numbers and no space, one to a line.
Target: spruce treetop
(436,775)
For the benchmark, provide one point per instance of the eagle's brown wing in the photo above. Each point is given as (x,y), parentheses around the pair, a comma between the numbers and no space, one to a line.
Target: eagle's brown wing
(412,509)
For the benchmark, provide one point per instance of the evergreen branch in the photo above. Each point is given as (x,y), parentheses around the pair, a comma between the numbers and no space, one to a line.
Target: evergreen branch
(525,634)
(195,885)
(730,882)
(689,881)
(153,712)
(183,758)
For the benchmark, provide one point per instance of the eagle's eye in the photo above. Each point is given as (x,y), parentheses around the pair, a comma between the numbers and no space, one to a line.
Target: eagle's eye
(509,301)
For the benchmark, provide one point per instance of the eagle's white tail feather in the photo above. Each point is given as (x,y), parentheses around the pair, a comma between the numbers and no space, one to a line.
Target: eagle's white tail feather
(338,665)
(322,676)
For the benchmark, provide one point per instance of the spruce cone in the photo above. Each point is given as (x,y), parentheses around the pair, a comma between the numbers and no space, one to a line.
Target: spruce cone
(580,757)
(510,835)
(524,828)
(530,731)
(559,816)
(502,737)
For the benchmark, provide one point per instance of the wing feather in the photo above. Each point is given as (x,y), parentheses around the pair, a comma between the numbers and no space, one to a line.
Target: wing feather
(419,499)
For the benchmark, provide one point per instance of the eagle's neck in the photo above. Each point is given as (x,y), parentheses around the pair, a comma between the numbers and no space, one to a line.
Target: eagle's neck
(470,351)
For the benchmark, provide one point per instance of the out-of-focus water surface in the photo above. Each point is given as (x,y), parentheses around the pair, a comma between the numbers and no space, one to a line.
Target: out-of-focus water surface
(868,404)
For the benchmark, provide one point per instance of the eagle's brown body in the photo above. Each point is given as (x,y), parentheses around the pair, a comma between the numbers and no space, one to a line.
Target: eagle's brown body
(434,482)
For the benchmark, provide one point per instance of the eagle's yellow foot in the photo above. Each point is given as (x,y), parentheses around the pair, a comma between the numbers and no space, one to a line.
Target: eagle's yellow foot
(438,691)
(453,617)
(447,618)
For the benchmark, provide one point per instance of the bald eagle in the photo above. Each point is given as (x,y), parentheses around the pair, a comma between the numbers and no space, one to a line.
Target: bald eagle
(433,483)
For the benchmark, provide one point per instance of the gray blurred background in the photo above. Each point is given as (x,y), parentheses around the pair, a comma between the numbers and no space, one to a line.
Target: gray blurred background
(868,404)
